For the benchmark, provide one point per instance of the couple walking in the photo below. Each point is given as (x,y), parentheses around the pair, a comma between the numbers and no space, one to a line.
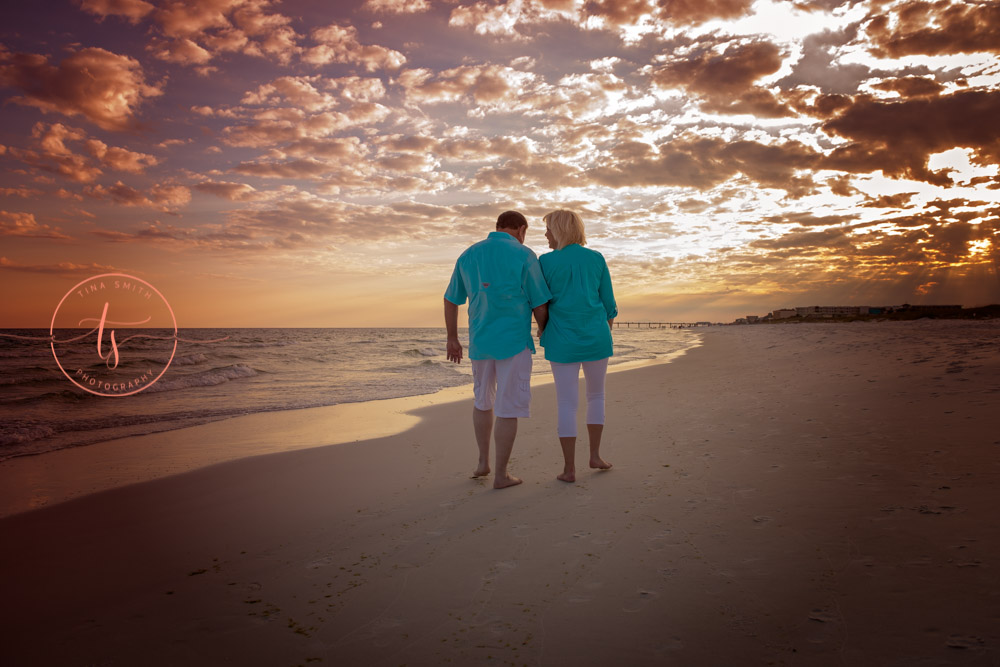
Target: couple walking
(569,292)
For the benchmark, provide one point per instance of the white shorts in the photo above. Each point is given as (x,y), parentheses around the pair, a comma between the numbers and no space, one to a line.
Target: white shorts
(503,385)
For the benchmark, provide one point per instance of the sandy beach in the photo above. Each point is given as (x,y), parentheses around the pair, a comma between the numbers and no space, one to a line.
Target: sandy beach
(817,494)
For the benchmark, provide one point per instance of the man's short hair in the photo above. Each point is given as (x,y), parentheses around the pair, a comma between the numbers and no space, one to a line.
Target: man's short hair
(511,220)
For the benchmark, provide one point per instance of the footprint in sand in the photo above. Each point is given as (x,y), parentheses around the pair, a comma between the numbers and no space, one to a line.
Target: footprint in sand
(642,598)
(762,520)
(823,616)
(520,530)
(962,641)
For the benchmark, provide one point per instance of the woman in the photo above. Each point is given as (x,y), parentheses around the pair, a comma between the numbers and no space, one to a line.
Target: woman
(578,333)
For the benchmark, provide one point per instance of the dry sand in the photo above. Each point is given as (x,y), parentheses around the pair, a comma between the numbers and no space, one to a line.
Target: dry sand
(786,495)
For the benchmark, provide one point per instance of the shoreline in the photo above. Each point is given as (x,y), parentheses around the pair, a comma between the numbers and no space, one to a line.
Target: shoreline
(40,480)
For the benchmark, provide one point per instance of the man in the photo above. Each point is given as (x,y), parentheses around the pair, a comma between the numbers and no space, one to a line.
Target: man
(503,283)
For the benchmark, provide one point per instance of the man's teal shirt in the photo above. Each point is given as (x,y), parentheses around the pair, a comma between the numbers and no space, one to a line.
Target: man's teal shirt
(582,303)
(503,283)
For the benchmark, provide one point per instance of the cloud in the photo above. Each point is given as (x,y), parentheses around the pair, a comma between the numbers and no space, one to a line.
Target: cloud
(935,28)
(296,91)
(726,82)
(195,32)
(24,224)
(481,83)
(183,51)
(230,191)
(396,6)
(910,86)
(120,159)
(57,147)
(298,126)
(897,137)
(704,162)
(307,168)
(164,197)
(339,44)
(699,11)
(62,268)
(103,87)
(132,10)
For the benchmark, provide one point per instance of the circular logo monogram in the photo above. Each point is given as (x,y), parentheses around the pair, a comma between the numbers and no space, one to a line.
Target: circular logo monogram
(113,335)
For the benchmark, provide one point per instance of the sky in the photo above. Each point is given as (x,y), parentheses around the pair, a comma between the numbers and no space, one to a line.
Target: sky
(322,164)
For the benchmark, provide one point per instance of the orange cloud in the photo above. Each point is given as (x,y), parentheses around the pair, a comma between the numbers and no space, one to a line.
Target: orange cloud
(24,224)
(339,44)
(57,156)
(103,87)
(132,10)
(164,197)
(230,191)
(483,83)
(62,268)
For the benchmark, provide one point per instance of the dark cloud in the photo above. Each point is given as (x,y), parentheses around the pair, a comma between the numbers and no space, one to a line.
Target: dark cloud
(699,11)
(900,200)
(911,86)
(897,137)
(703,162)
(727,81)
(935,28)
(818,67)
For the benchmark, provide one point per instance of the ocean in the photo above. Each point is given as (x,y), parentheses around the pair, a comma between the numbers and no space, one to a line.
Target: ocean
(251,370)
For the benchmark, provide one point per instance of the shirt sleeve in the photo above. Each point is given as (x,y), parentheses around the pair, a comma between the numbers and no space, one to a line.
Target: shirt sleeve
(607,293)
(533,283)
(456,288)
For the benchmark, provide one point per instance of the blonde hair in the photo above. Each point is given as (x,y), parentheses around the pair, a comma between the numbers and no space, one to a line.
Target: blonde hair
(566,228)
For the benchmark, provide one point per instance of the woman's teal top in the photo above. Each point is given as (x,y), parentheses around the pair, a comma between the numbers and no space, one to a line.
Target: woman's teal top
(582,303)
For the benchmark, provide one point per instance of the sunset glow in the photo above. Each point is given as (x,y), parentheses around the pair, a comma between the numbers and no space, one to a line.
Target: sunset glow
(294,163)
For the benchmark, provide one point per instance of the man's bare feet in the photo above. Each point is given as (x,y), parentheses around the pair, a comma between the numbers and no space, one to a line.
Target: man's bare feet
(567,476)
(481,472)
(600,464)
(504,482)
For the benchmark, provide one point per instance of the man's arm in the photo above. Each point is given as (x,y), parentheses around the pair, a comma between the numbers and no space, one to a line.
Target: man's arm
(541,316)
(451,324)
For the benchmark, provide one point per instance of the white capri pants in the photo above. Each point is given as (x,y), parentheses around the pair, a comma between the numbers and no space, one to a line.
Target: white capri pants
(567,377)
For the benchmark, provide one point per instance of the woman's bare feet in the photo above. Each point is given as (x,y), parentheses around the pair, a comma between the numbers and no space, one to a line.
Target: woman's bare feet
(567,476)
(481,472)
(504,482)
(600,464)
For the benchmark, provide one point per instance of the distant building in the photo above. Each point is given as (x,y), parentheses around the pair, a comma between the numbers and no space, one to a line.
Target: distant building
(782,313)
(751,319)
(831,311)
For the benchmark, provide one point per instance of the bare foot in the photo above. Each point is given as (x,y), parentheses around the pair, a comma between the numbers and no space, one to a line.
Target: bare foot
(600,464)
(481,472)
(504,482)
(567,476)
